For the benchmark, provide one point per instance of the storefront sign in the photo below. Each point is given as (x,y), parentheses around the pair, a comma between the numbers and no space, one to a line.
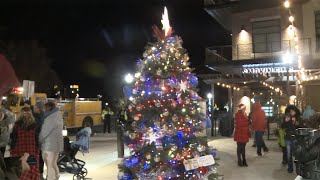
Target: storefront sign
(265,68)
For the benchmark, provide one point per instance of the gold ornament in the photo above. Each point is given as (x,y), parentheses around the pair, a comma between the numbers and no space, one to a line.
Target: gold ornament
(145,54)
(148,156)
(163,55)
(132,136)
(159,72)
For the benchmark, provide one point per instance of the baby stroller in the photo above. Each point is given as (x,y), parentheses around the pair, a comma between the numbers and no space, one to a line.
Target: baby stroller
(67,159)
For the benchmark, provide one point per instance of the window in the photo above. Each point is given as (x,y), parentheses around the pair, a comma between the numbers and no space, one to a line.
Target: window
(317,17)
(266,36)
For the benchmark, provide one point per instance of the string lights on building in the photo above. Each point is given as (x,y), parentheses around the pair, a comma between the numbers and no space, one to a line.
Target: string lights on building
(293,31)
(228,86)
(276,89)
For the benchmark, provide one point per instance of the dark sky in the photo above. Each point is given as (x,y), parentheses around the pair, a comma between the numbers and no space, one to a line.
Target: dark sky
(94,43)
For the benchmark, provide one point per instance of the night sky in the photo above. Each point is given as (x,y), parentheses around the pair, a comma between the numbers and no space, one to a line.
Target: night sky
(94,43)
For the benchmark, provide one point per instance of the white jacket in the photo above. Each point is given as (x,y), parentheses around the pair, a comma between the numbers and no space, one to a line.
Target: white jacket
(50,137)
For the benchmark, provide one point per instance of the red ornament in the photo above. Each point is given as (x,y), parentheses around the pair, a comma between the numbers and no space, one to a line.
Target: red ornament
(203,170)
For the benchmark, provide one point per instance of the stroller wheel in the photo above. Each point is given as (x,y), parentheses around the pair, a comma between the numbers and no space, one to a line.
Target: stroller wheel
(84,172)
(78,177)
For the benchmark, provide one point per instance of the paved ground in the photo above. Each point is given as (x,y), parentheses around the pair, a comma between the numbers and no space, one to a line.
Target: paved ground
(102,161)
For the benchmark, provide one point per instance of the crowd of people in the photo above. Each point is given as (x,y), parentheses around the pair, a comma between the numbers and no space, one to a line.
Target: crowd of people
(244,125)
(34,140)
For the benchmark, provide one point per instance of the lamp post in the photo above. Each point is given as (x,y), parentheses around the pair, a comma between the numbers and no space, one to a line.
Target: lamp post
(120,145)
(210,110)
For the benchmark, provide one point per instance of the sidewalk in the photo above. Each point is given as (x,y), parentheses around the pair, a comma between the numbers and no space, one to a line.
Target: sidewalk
(267,167)
(102,161)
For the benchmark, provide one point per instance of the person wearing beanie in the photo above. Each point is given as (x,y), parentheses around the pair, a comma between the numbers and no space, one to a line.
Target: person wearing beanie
(241,134)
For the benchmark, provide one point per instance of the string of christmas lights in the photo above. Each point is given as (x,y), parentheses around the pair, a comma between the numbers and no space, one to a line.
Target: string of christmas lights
(228,86)
(276,89)
(293,31)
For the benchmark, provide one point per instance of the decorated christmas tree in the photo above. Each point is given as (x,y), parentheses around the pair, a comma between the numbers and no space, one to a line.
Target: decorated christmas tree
(164,137)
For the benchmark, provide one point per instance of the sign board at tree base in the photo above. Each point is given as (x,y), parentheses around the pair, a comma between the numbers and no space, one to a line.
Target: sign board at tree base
(195,163)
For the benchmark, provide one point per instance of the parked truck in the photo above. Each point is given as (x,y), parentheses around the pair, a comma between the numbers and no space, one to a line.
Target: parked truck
(78,112)
(75,112)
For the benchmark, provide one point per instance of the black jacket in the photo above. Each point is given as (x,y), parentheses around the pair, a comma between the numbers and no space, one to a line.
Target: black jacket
(290,128)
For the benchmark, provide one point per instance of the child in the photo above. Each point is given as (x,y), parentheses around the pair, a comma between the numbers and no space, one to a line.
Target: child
(282,145)
(83,139)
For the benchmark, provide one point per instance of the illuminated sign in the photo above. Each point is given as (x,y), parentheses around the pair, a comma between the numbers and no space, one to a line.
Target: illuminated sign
(74,86)
(265,68)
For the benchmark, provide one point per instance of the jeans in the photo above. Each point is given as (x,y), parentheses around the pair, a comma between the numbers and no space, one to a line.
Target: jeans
(289,145)
(50,159)
(260,142)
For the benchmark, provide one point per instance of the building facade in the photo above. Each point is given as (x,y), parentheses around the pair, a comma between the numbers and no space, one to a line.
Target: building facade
(266,46)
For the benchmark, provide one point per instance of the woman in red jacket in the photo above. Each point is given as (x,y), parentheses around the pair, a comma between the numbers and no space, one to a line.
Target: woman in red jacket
(241,134)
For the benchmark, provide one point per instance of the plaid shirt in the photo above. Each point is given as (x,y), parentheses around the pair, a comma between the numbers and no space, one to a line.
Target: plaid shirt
(26,142)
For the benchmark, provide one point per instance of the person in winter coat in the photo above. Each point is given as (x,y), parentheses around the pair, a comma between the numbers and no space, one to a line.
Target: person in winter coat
(83,139)
(6,120)
(241,134)
(282,144)
(24,138)
(259,126)
(38,113)
(290,124)
(51,139)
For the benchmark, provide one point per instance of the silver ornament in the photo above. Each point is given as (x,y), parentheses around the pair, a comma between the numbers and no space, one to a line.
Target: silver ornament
(187,118)
(157,103)
(156,158)
(134,91)
(139,107)
(201,148)
(166,112)
(175,118)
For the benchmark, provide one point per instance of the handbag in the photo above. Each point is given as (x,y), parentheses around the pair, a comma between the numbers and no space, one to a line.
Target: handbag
(31,160)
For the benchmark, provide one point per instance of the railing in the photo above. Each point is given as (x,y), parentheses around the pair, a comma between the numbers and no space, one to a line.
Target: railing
(256,50)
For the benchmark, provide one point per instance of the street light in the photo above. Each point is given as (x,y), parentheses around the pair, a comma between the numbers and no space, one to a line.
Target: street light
(128,78)
(210,110)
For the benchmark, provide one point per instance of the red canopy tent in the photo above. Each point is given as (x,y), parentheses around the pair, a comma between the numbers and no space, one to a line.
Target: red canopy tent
(8,78)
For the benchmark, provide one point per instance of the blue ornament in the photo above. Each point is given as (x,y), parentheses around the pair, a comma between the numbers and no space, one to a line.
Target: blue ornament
(194,81)
(128,163)
(146,166)
(180,134)
(134,160)
(125,176)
